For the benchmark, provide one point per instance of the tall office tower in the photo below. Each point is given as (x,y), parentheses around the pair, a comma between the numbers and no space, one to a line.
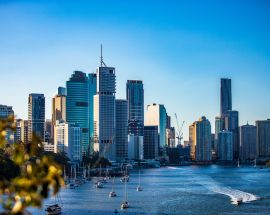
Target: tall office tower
(18,131)
(58,108)
(247,135)
(202,140)
(219,126)
(68,137)
(104,112)
(77,107)
(225,96)
(168,121)
(232,124)
(170,137)
(135,98)
(156,115)
(48,131)
(263,138)
(192,141)
(121,131)
(36,115)
(225,145)
(92,87)
(150,146)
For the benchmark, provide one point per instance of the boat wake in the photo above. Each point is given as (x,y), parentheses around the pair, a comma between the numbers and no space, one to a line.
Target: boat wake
(234,194)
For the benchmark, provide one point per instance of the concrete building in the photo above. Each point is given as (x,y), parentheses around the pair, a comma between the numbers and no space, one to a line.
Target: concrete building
(263,138)
(225,146)
(48,147)
(156,116)
(36,116)
(170,137)
(77,106)
(121,132)
(247,135)
(68,139)
(58,108)
(225,96)
(201,140)
(150,146)
(232,124)
(104,113)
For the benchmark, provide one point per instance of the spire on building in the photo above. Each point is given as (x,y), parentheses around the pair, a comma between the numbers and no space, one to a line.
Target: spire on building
(101,57)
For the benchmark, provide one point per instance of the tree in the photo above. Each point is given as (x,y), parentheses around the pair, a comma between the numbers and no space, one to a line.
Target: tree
(33,175)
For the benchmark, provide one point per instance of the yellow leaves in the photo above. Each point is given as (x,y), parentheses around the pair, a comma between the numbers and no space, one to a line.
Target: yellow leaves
(38,174)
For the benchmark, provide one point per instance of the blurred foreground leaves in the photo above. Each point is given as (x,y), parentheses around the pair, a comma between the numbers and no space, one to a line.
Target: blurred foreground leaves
(27,176)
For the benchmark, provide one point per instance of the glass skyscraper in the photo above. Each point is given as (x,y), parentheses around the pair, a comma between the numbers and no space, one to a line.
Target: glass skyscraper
(77,105)
(36,116)
(225,96)
(104,113)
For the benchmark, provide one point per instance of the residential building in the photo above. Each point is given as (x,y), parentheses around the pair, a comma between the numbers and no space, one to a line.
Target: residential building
(121,132)
(156,116)
(150,145)
(225,145)
(232,124)
(247,135)
(68,137)
(263,138)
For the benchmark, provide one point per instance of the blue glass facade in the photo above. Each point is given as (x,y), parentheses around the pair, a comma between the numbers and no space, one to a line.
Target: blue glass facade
(77,105)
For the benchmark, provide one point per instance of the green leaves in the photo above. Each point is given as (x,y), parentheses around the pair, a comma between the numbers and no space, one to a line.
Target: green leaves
(27,174)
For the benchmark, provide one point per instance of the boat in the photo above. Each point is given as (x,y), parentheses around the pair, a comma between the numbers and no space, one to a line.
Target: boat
(255,162)
(139,187)
(125,204)
(237,201)
(125,178)
(238,163)
(53,209)
(112,193)
(99,185)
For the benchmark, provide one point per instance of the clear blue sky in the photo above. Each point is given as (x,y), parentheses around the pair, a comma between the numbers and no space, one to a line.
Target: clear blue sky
(180,49)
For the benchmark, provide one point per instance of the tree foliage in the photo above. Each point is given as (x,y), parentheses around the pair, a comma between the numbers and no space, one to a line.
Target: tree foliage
(32,176)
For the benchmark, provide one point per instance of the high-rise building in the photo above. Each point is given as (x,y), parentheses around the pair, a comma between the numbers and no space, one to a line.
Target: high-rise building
(104,113)
(263,138)
(48,131)
(170,137)
(225,146)
(18,131)
(156,116)
(36,115)
(68,137)
(225,96)
(135,147)
(58,108)
(135,98)
(92,87)
(121,132)
(150,146)
(219,126)
(201,139)
(247,135)
(192,142)
(232,124)
(6,111)
(77,106)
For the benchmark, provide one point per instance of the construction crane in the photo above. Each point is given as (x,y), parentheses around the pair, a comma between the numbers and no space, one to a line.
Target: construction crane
(179,133)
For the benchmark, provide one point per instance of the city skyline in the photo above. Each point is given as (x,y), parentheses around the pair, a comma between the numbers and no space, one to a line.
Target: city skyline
(187,61)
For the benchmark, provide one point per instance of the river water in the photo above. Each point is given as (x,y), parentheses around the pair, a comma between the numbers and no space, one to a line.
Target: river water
(193,190)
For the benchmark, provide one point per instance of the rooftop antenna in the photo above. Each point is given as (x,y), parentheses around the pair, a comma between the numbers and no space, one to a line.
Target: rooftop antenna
(101,58)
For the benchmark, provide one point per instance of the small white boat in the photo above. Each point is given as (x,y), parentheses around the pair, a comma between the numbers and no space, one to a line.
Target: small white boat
(99,185)
(112,193)
(125,178)
(125,203)
(139,187)
(237,201)
(53,209)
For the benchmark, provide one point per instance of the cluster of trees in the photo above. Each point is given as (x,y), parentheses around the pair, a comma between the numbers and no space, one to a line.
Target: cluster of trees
(28,175)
